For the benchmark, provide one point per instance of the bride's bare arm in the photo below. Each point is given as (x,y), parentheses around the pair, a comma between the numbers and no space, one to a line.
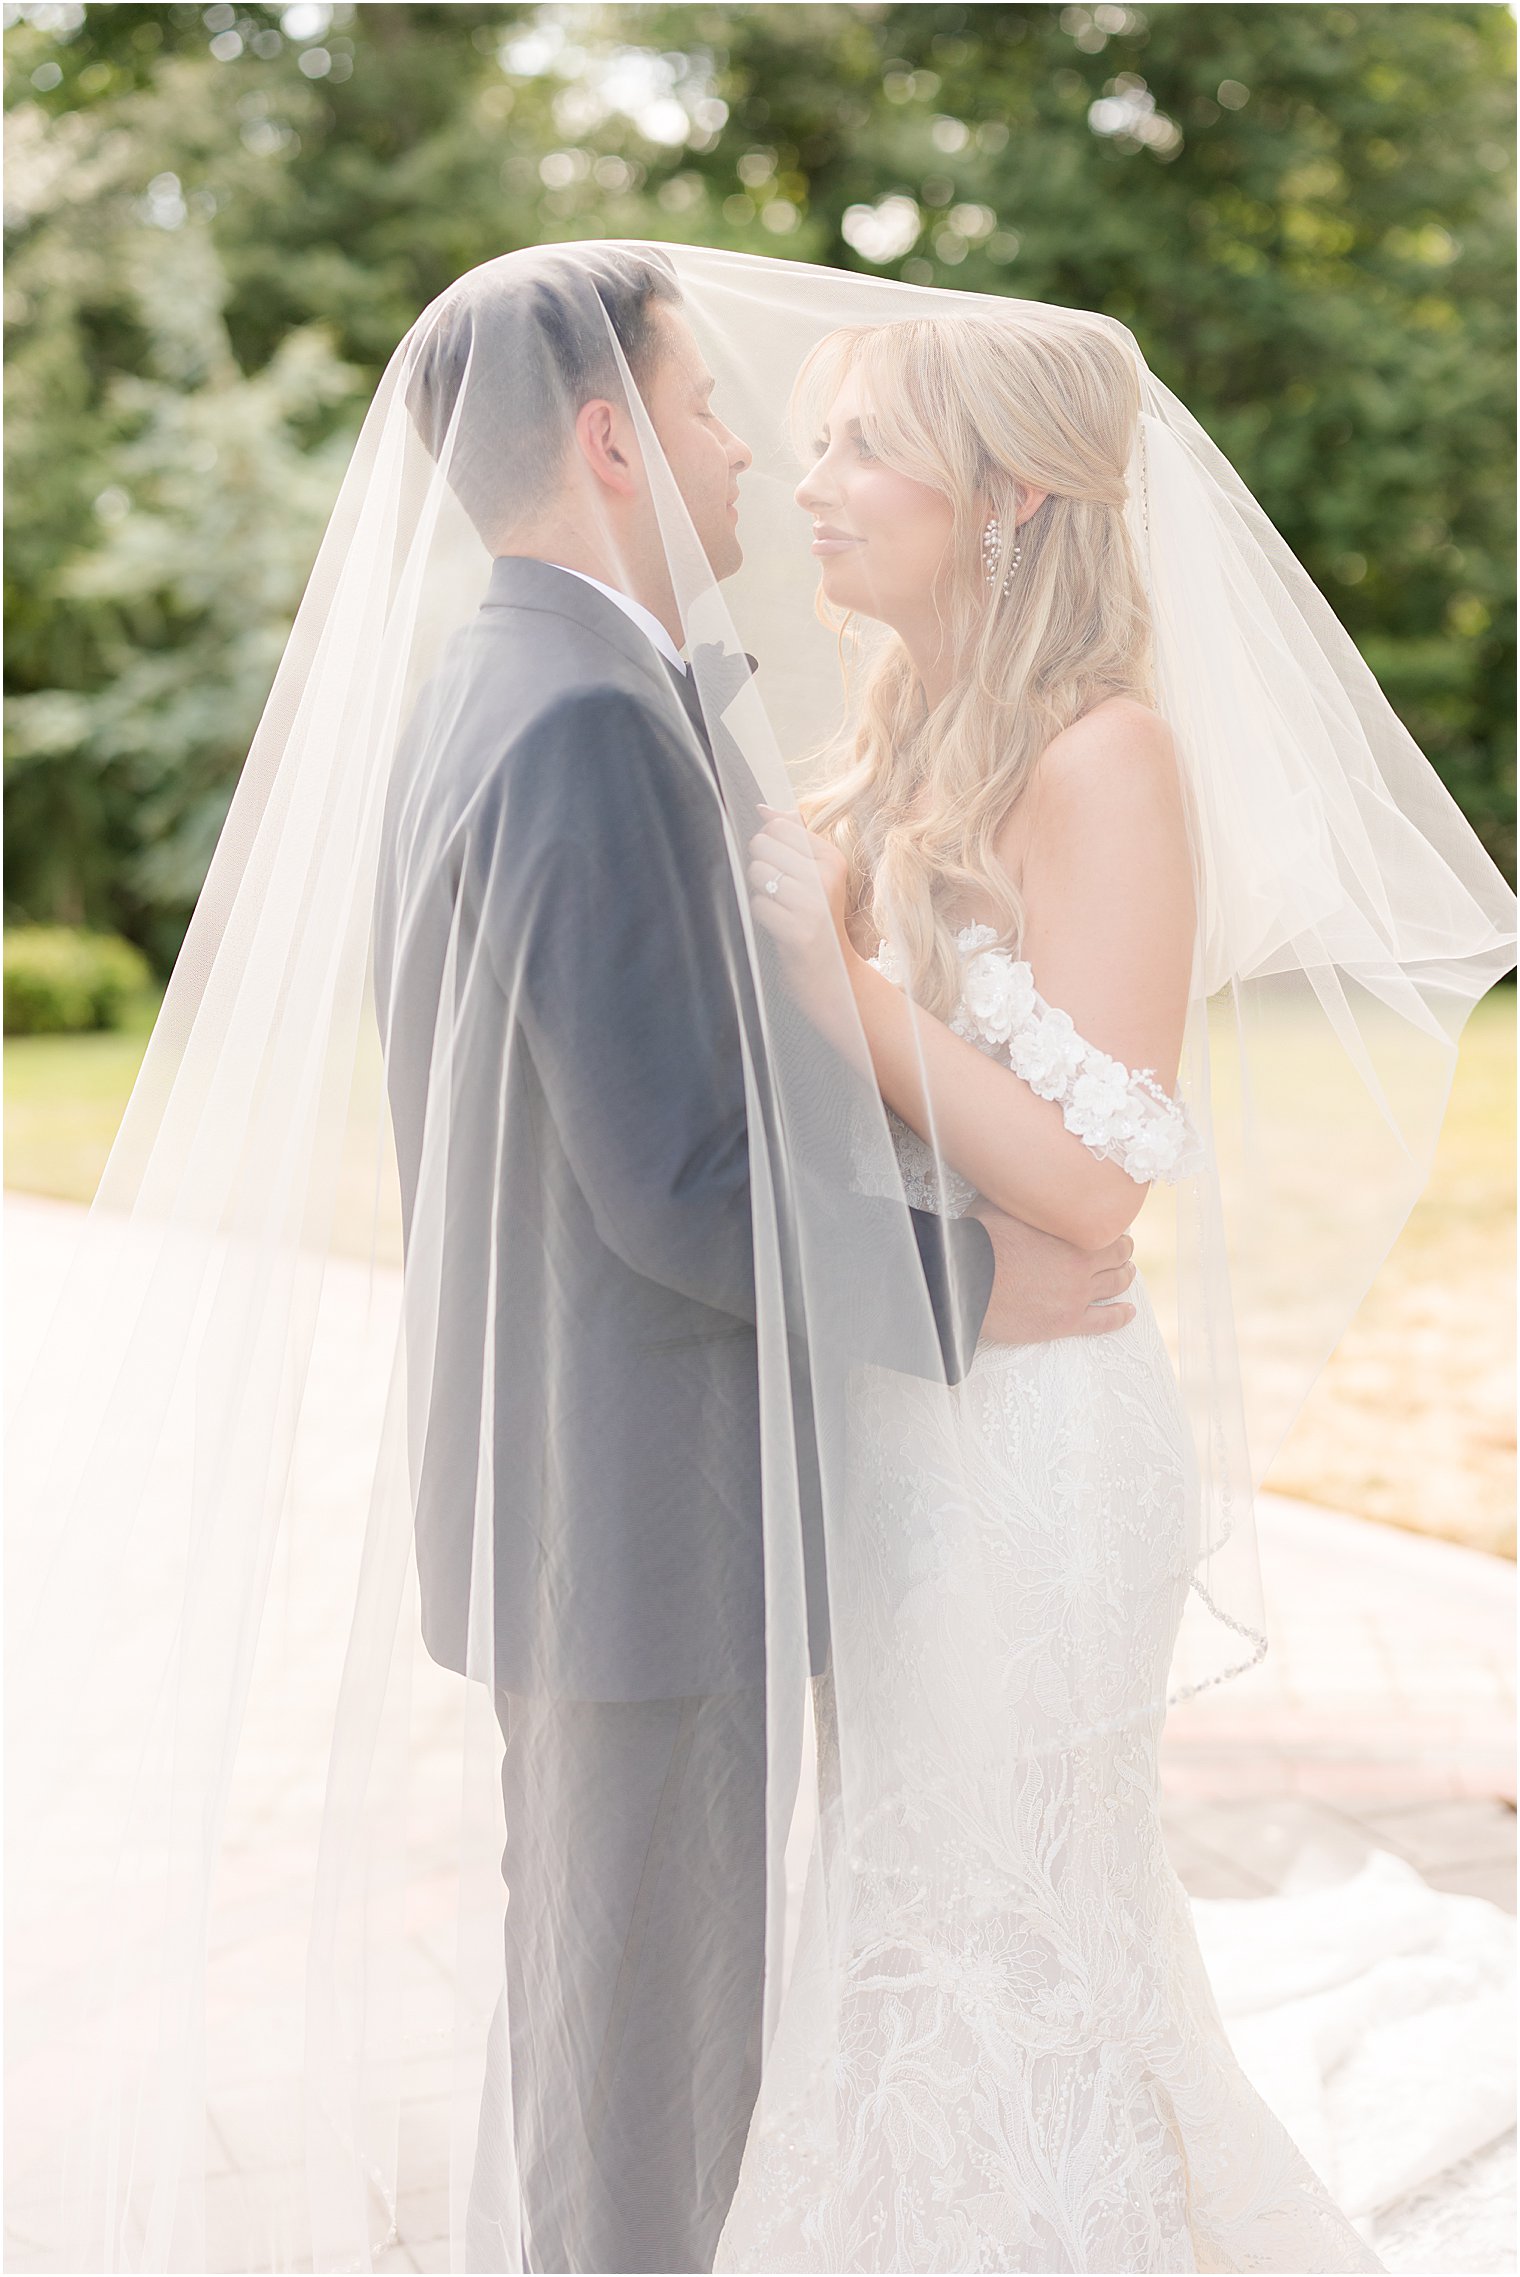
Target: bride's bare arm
(1101,849)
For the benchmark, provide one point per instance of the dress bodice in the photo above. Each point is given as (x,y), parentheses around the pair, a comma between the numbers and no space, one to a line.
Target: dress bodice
(1121,1114)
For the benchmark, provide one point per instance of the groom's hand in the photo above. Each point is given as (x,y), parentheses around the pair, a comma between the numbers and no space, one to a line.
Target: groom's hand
(1045,1289)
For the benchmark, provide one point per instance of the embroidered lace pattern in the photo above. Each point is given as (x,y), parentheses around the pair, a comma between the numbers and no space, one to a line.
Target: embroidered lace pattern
(998,2048)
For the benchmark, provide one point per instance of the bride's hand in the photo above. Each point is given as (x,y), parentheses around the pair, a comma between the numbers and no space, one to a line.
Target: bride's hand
(798,886)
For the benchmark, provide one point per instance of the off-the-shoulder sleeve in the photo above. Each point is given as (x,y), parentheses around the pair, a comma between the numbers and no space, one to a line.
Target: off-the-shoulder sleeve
(1121,1114)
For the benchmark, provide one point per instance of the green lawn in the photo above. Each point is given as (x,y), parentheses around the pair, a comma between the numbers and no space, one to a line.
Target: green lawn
(1412,1422)
(64,1096)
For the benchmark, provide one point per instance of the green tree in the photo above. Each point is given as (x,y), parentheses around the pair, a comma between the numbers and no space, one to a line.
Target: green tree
(1305,213)
(220,220)
(162,520)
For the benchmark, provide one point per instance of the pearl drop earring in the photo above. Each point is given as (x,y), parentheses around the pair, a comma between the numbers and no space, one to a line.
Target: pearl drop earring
(992,547)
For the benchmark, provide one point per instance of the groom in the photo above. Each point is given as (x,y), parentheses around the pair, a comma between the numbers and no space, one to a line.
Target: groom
(629,1685)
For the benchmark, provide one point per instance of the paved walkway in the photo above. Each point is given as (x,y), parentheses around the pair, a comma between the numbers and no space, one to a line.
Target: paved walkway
(1382,1717)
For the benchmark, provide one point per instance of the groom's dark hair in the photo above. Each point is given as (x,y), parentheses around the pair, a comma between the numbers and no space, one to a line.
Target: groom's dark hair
(532,334)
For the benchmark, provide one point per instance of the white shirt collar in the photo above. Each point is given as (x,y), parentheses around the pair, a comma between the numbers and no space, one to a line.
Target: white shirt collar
(646,620)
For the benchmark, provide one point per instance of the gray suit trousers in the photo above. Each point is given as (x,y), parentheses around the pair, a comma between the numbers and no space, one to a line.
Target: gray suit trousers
(625,2052)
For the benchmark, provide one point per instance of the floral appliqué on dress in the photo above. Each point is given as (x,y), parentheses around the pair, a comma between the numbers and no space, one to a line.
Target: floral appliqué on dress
(1120,1114)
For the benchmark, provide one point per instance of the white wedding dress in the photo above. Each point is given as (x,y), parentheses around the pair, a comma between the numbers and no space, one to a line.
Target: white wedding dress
(999,2048)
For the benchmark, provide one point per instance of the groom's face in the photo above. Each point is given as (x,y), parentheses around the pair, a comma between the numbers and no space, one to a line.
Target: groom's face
(705,457)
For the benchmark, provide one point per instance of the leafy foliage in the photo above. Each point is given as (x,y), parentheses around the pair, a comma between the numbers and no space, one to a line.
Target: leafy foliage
(221,219)
(60,979)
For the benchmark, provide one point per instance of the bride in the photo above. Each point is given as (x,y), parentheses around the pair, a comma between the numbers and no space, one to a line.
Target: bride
(1031,2069)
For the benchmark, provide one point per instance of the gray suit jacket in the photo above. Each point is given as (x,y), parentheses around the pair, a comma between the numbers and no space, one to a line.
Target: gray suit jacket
(598,1239)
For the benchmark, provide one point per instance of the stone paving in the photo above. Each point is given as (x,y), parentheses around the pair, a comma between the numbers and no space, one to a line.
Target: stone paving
(1382,1717)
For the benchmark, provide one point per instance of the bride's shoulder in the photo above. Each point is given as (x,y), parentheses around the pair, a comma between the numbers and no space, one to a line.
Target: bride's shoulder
(1117,759)
(1119,732)
(1105,795)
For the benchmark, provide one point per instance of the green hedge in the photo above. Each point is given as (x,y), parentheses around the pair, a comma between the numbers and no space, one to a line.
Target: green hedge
(61,978)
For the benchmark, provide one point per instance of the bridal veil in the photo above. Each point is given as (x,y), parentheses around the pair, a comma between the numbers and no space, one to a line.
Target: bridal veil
(286,1520)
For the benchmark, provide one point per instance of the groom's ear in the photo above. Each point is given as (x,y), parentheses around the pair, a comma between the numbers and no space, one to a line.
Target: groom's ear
(605,441)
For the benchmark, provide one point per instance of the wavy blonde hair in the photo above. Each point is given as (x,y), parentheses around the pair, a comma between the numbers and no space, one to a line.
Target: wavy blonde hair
(976,407)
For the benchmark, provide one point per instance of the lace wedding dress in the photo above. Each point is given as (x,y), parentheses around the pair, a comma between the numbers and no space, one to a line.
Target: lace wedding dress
(999,2048)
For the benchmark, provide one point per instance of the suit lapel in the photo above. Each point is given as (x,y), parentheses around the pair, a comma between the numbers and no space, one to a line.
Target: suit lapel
(737,787)
(519,582)
(691,704)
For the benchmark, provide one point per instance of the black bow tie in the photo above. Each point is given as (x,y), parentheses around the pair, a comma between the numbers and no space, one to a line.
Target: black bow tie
(722,671)
(716,673)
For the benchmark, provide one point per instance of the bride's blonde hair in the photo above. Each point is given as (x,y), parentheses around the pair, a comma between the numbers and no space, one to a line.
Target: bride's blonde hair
(977,407)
